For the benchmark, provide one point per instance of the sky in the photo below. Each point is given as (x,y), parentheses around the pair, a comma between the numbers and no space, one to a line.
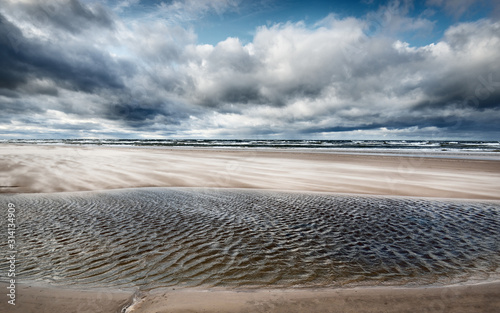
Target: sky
(263,69)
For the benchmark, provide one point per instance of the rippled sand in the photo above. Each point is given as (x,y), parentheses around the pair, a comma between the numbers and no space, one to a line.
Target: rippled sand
(158,237)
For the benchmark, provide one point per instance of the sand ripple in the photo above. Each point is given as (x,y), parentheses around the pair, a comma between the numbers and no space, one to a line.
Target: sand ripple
(159,237)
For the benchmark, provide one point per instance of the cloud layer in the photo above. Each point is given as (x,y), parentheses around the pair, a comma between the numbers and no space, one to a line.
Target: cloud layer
(74,69)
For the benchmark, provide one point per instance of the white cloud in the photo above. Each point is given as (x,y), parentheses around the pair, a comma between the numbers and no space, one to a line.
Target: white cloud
(298,74)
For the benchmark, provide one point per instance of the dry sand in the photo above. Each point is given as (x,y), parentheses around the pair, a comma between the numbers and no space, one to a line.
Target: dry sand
(27,168)
(32,168)
(453,299)
(31,299)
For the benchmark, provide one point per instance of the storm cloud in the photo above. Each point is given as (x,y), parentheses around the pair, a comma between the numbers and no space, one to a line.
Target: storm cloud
(81,70)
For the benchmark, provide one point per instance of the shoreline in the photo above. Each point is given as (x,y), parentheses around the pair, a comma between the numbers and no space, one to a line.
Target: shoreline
(270,191)
(382,152)
(471,298)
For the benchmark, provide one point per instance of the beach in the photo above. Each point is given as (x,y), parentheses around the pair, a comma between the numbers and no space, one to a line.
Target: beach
(50,170)
(35,169)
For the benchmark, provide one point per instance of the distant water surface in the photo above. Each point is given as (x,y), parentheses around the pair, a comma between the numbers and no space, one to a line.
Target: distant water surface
(159,237)
(361,145)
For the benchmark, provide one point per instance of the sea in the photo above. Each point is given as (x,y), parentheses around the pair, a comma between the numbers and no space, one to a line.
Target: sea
(333,145)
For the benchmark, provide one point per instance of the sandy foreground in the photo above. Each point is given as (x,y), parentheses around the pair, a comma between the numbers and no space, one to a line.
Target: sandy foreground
(454,299)
(29,168)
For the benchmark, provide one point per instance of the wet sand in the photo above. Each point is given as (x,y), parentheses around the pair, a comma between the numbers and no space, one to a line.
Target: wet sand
(169,237)
(477,298)
(29,168)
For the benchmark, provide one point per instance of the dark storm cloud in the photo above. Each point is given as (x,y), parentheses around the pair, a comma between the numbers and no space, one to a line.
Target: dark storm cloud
(81,69)
(135,115)
(144,111)
(73,67)
(462,96)
(241,94)
(12,70)
(16,107)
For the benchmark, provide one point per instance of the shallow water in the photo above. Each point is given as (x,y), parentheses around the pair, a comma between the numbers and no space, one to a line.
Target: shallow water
(159,237)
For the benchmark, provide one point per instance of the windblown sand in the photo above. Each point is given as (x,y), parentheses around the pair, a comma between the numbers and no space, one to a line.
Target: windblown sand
(58,168)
